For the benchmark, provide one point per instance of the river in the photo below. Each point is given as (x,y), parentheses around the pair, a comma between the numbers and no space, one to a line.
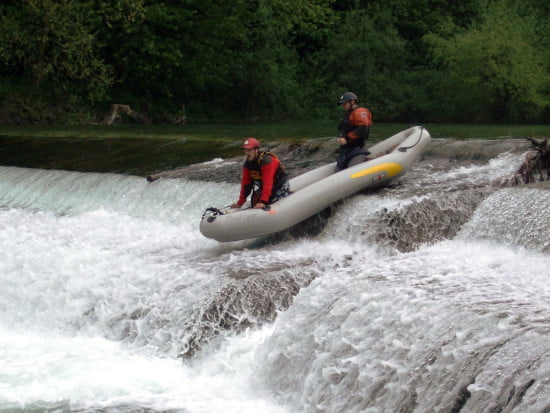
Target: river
(430,295)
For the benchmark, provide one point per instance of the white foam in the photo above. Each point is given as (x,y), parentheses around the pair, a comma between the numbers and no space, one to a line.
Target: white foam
(100,283)
(369,330)
(94,372)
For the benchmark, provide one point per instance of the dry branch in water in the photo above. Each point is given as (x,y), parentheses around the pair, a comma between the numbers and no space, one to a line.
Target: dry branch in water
(117,111)
(535,167)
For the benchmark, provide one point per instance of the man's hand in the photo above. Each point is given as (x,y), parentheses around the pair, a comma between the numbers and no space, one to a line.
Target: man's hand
(342,141)
(259,205)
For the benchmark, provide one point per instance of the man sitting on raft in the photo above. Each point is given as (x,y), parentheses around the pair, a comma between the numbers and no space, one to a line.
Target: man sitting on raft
(263,174)
(354,130)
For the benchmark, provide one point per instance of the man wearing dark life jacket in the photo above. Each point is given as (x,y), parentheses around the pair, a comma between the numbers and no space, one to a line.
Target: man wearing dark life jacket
(354,130)
(263,175)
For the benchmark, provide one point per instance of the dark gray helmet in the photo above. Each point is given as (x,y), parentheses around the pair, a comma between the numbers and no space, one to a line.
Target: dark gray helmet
(346,97)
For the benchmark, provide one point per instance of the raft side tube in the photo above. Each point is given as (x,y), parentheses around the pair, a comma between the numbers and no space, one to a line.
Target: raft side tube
(315,190)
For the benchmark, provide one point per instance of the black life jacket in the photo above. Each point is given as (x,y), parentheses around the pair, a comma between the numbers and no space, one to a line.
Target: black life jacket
(346,126)
(255,168)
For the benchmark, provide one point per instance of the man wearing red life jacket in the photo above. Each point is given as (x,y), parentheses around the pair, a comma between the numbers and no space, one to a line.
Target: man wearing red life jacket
(263,175)
(354,130)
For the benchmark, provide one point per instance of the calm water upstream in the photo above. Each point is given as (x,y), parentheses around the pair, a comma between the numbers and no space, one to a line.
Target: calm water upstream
(430,295)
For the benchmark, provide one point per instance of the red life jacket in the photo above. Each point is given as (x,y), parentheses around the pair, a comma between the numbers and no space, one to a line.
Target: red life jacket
(253,174)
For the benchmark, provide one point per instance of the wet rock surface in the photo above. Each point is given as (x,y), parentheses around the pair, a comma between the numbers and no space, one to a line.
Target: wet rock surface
(297,159)
(302,157)
(249,297)
(439,210)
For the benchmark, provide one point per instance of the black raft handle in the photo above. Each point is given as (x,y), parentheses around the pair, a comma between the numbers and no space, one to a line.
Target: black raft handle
(212,212)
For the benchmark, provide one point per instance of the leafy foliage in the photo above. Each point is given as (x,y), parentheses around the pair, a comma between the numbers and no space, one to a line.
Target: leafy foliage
(50,45)
(408,60)
(495,70)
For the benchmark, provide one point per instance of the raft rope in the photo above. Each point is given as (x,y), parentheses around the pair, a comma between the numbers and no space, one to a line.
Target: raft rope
(406,148)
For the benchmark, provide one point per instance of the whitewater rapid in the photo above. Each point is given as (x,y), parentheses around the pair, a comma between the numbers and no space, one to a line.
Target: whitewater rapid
(431,295)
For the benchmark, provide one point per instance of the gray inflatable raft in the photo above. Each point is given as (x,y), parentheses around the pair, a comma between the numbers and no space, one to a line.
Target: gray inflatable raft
(313,191)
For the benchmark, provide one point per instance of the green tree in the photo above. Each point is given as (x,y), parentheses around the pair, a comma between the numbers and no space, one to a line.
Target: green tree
(148,46)
(220,59)
(496,71)
(408,60)
(365,55)
(257,54)
(49,54)
(376,49)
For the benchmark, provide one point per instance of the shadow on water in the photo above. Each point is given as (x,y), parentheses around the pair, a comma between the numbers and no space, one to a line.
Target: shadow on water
(143,150)
(135,156)
(139,150)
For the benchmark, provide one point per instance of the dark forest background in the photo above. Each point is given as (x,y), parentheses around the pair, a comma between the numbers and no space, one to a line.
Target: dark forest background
(472,61)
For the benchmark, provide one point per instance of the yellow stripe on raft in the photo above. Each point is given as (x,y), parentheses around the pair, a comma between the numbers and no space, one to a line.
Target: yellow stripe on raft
(391,168)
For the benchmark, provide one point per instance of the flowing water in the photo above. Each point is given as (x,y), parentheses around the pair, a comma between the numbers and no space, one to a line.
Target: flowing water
(432,295)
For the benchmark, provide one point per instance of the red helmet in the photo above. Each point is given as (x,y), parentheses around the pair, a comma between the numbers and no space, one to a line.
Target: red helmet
(251,143)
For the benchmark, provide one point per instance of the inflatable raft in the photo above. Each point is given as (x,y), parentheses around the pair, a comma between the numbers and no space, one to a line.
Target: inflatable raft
(315,190)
